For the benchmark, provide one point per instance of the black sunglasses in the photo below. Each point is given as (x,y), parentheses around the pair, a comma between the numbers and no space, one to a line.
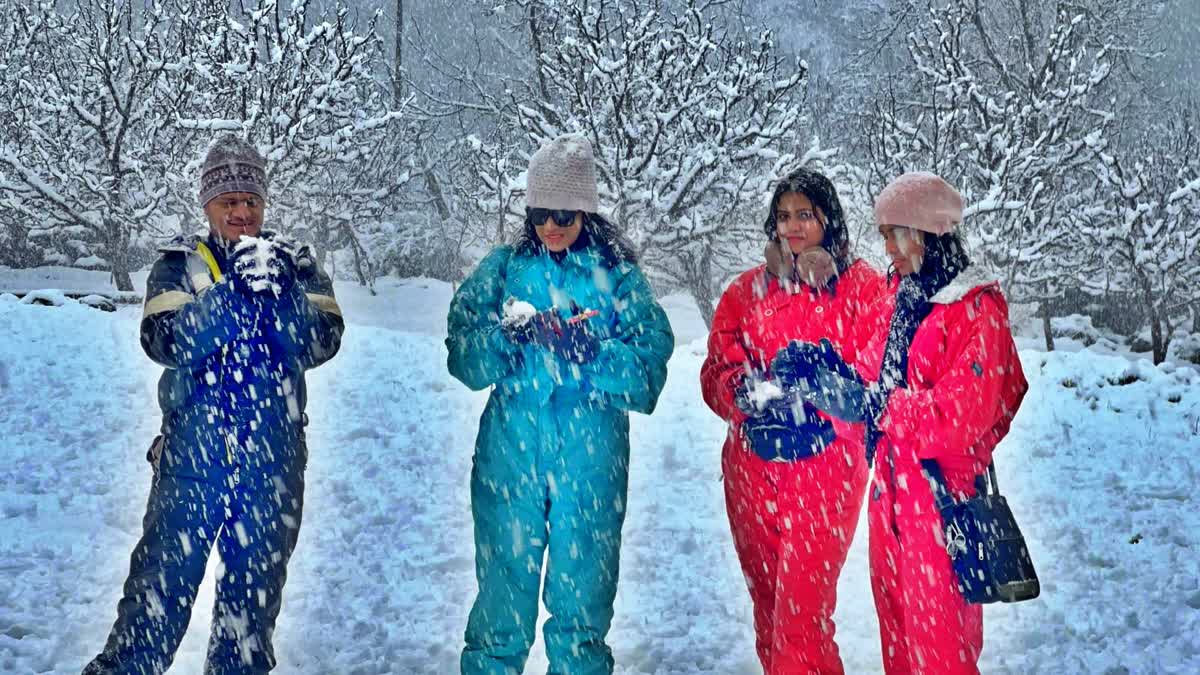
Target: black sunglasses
(562,217)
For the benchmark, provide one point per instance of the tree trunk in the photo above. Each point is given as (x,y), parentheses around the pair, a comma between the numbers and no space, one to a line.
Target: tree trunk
(398,66)
(699,285)
(1046,328)
(1196,319)
(433,185)
(363,269)
(1158,349)
(121,279)
(118,260)
(535,43)
(1159,339)
(707,308)
(116,250)
(500,212)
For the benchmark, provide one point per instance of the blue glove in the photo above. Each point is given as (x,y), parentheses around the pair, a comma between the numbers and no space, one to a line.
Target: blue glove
(285,267)
(571,341)
(794,363)
(742,397)
(241,258)
(261,265)
(576,343)
(848,399)
(787,432)
(798,362)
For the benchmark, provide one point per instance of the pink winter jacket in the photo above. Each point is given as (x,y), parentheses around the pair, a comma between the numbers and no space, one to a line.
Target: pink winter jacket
(756,317)
(965,382)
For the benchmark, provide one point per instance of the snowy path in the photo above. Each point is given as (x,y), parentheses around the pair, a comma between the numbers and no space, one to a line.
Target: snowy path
(1104,451)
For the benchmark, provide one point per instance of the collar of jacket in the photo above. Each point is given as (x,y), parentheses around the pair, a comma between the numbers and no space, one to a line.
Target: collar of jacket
(782,265)
(585,258)
(186,243)
(968,280)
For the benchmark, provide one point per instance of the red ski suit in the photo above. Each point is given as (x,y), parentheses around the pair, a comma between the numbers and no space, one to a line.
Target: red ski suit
(965,384)
(792,522)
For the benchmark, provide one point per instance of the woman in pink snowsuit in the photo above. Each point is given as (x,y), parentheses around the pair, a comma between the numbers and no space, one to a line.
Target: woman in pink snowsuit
(943,383)
(793,488)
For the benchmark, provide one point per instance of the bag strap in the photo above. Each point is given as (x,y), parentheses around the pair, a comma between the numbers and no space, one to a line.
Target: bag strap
(209,259)
(984,483)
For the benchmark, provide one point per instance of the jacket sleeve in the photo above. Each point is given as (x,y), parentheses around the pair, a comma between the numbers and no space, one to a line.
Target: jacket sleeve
(479,354)
(728,361)
(631,367)
(181,328)
(946,420)
(868,288)
(307,322)
(866,293)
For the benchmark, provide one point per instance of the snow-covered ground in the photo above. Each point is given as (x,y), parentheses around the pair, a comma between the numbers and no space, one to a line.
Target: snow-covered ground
(1101,468)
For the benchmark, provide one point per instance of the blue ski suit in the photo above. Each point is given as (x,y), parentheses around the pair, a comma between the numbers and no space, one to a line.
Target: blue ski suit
(551,459)
(229,465)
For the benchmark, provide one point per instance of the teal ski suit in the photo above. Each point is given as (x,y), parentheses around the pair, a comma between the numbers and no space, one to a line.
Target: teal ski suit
(552,456)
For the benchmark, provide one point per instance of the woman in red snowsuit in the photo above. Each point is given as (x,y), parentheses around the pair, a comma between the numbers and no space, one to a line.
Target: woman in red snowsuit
(943,383)
(793,489)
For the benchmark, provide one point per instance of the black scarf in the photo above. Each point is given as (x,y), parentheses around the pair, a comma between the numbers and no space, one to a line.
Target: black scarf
(944,260)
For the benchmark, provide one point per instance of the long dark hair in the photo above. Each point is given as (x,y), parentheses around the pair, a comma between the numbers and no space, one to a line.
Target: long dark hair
(823,195)
(945,257)
(613,246)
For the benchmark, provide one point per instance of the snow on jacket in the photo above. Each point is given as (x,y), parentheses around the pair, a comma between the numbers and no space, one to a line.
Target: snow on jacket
(550,471)
(233,392)
(965,381)
(635,337)
(757,317)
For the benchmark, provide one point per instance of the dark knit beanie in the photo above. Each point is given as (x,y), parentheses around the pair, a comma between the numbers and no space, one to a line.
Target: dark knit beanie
(232,165)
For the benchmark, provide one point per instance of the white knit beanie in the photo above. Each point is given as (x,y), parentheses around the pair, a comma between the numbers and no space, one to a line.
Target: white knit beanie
(562,175)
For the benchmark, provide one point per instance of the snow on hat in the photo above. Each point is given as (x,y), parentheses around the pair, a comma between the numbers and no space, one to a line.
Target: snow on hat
(232,165)
(562,175)
(922,201)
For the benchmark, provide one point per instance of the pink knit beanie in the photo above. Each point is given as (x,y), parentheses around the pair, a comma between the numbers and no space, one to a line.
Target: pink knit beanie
(922,201)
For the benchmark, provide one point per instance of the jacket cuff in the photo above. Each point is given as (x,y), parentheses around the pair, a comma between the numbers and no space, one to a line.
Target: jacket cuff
(899,419)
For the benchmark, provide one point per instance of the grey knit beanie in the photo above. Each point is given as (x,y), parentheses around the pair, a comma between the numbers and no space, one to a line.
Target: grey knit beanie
(232,165)
(562,175)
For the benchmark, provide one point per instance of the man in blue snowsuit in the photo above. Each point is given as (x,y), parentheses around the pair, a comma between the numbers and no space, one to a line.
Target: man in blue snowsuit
(235,327)
(551,459)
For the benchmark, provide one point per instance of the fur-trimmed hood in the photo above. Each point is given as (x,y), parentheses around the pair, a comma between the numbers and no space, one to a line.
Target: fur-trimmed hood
(968,280)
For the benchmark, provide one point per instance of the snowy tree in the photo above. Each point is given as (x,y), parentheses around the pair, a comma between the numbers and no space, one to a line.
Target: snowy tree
(456,88)
(302,87)
(81,177)
(1148,227)
(1008,103)
(690,123)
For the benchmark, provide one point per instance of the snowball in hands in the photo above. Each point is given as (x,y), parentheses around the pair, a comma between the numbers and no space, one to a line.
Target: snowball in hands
(517,313)
(763,392)
(258,262)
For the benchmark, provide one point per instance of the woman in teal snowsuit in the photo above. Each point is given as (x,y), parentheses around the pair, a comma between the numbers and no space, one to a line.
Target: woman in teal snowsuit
(566,330)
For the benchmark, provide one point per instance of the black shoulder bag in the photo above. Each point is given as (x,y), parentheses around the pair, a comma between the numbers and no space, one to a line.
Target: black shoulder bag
(986,547)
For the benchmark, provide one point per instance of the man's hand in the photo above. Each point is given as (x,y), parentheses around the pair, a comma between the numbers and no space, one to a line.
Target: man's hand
(260,265)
